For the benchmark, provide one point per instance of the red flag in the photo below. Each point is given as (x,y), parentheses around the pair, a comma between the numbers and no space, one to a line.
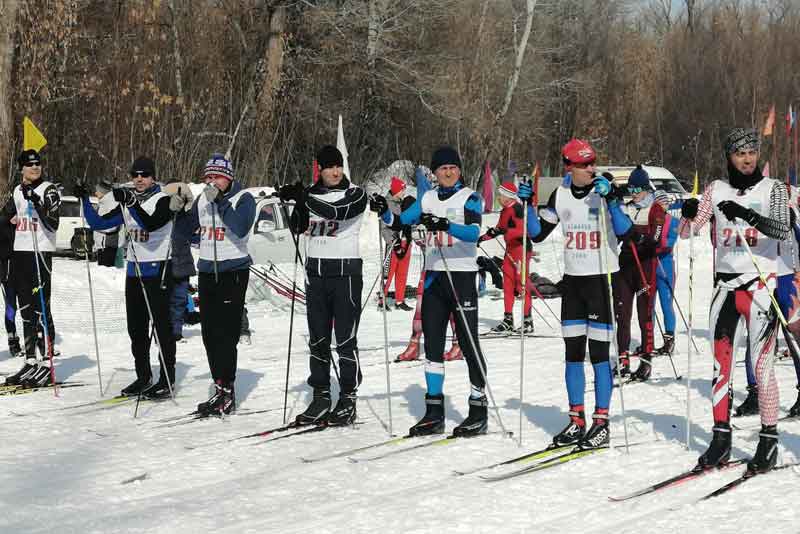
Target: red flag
(789,121)
(770,122)
(315,175)
(488,188)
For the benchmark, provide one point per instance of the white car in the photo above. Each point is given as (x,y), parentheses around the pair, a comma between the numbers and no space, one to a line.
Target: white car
(661,178)
(71,229)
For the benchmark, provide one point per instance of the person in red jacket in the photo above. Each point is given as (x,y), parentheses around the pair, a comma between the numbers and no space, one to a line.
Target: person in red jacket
(401,245)
(510,227)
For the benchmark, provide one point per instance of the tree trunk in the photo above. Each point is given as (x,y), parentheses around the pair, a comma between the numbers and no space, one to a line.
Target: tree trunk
(523,45)
(274,64)
(8,14)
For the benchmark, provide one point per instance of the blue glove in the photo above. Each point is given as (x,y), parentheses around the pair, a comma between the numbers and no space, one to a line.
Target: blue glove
(525,191)
(601,186)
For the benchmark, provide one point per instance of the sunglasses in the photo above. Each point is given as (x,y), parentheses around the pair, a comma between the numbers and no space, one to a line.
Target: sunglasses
(140,175)
(635,190)
(31,164)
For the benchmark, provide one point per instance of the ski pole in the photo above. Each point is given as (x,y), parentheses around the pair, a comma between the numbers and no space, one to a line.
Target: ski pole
(46,333)
(675,300)
(385,328)
(613,342)
(296,241)
(478,355)
(91,300)
(523,283)
(689,345)
(214,239)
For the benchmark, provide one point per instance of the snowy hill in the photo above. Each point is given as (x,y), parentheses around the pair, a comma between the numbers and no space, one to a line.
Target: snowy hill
(88,470)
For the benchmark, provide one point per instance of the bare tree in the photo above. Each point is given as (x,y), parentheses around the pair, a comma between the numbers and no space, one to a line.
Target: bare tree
(8,14)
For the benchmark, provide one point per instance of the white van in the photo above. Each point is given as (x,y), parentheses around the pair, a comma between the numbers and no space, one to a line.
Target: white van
(69,236)
(661,178)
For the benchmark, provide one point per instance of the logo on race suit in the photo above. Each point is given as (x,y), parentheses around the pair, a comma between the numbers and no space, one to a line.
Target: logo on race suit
(594,316)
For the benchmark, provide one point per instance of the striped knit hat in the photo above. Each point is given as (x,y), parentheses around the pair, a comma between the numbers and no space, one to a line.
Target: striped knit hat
(508,190)
(218,166)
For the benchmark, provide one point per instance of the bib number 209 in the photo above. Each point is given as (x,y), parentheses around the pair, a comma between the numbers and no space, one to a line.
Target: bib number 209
(582,240)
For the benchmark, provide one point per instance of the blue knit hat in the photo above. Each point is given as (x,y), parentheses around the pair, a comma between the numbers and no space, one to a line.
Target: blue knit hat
(218,166)
(639,179)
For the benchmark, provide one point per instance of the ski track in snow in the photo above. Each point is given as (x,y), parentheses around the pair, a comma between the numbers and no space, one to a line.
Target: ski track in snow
(102,471)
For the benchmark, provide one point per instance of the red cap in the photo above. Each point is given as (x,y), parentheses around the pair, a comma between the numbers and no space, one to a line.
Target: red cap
(397,185)
(508,189)
(578,151)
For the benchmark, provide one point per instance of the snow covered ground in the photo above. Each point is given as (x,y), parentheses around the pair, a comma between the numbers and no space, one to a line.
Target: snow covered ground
(88,470)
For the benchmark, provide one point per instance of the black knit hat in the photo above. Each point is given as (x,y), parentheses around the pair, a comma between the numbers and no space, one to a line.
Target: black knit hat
(29,156)
(445,155)
(742,139)
(329,156)
(143,166)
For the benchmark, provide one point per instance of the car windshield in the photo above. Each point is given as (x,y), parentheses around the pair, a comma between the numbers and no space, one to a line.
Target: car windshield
(670,186)
(69,209)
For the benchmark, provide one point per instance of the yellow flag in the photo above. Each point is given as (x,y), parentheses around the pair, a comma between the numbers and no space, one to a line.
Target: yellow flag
(32,138)
(696,188)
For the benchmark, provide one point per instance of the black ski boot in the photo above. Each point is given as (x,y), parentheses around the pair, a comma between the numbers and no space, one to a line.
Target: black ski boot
(766,453)
(573,432)
(794,411)
(345,411)
(28,368)
(669,345)
(14,348)
(159,390)
(477,422)
(719,451)
(223,401)
(39,378)
(505,326)
(433,420)
(750,404)
(642,374)
(403,306)
(598,436)
(317,412)
(625,365)
(136,387)
(527,325)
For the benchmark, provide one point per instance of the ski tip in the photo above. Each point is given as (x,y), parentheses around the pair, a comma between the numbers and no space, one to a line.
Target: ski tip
(137,478)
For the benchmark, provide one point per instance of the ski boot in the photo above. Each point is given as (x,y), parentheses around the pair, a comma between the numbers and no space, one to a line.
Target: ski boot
(750,404)
(642,374)
(433,420)
(719,451)
(477,422)
(625,365)
(669,345)
(506,326)
(380,305)
(766,455)
(222,402)
(412,351)
(159,390)
(14,347)
(345,411)
(403,306)
(28,368)
(39,378)
(527,325)
(794,411)
(574,431)
(599,435)
(454,353)
(317,412)
(136,387)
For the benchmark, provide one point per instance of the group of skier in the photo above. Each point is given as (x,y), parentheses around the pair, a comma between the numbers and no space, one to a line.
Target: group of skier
(614,252)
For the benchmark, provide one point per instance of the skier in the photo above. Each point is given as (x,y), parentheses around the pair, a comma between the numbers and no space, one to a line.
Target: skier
(401,244)
(585,302)
(33,208)
(9,293)
(144,212)
(509,225)
(330,213)
(638,261)
(451,214)
(665,272)
(224,214)
(755,207)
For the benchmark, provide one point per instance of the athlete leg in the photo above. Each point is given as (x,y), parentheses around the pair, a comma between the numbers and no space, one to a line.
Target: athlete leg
(665,283)
(401,276)
(320,322)
(762,327)
(467,296)
(435,315)
(623,307)
(600,332)
(509,283)
(574,327)
(346,312)
(723,322)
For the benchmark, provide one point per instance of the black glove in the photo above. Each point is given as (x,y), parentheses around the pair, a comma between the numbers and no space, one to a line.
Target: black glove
(733,210)
(124,196)
(378,204)
(433,223)
(399,249)
(690,208)
(81,189)
(493,232)
(29,194)
(294,192)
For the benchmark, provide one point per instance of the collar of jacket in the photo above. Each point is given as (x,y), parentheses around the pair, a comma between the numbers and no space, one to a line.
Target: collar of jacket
(320,188)
(234,188)
(145,195)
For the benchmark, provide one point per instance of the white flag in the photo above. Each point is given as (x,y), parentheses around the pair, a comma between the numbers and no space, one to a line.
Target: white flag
(342,148)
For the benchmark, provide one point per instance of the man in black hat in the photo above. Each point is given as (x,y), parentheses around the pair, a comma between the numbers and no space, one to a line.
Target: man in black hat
(329,213)
(33,208)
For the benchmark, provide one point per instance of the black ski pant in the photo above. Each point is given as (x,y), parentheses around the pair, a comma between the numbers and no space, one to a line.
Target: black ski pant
(26,283)
(438,304)
(334,302)
(140,328)
(221,305)
(628,286)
